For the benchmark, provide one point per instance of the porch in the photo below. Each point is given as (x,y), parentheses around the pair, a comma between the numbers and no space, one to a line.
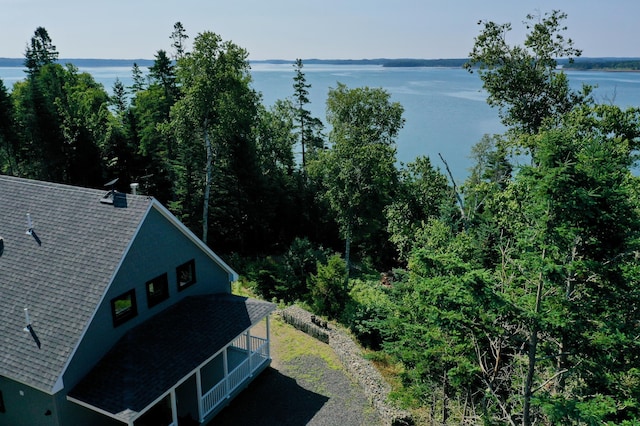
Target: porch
(213,384)
(182,366)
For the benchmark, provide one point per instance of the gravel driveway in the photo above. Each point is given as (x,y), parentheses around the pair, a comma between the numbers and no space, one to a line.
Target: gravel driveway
(303,390)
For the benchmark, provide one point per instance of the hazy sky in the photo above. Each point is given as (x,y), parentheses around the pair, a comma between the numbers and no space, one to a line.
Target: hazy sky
(289,29)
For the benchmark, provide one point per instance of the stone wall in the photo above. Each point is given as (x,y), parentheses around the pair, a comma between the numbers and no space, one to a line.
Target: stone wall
(350,355)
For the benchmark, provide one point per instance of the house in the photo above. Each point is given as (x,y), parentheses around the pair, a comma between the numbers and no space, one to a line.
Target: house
(112,312)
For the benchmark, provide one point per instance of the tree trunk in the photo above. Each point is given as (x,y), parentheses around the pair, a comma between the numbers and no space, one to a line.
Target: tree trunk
(207,181)
(533,347)
(347,251)
(445,408)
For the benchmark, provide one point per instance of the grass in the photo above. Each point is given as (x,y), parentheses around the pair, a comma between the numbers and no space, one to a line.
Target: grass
(290,343)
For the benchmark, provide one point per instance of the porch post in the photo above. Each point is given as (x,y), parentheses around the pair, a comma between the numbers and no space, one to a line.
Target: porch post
(248,338)
(199,393)
(268,339)
(174,408)
(225,364)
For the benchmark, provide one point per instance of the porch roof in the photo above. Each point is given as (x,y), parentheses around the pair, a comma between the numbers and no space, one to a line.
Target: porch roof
(155,356)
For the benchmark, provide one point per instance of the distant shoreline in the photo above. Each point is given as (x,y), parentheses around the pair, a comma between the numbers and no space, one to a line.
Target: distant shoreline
(580,64)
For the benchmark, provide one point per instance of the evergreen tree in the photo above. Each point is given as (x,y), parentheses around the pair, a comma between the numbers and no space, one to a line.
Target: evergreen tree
(40,51)
(8,140)
(310,128)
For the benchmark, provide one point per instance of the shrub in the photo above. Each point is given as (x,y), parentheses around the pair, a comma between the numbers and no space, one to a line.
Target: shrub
(328,287)
(367,309)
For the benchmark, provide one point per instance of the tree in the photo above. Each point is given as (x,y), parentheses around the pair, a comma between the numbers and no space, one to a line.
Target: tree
(162,72)
(421,196)
(547,333)
(40,51)
(84,117)
(523,81)
(310,128)
(358,171)
(8,138)
(151,108)
(215,117)
(138,78)
(178,37)
(62,117)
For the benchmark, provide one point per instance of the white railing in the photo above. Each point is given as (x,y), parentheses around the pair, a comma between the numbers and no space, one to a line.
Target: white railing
(215,396)
(240,342)
(258,344)
(236,377)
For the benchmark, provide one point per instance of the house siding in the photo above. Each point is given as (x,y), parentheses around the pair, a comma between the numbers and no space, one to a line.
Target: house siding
(158,248)
(76,415)
(25,405)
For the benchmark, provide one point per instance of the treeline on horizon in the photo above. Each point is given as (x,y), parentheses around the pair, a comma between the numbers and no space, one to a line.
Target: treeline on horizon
(621,64)
(408,62)
(510,298)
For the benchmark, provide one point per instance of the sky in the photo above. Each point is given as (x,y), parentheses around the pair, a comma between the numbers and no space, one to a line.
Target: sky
(322,29)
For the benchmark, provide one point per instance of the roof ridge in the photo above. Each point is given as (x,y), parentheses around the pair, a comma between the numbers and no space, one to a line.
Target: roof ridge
(53,185)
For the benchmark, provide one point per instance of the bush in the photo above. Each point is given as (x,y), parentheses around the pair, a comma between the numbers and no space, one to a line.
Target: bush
(283,278)
(328,288)
(300,262)
(368,307)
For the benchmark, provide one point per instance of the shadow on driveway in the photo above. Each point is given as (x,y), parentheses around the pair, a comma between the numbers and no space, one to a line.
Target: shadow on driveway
(272,399)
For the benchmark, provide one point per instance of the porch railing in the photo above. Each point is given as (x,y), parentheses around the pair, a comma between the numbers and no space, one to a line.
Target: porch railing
(222,390)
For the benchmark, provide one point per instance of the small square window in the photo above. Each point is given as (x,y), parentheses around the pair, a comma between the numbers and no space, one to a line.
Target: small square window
(2,408)
(157,290)
(124,307)
(186,274)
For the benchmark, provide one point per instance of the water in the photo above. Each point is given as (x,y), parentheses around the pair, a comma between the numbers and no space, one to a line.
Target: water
(445,109)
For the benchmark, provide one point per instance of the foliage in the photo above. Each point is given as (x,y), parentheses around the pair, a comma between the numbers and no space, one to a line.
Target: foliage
(523,81)
(40,52)
(421,195)
(358,172)
(367,308)
(309,127)
(8,138)
(518,307)
(285,277)
(61,119)
(328,288)
(212,123)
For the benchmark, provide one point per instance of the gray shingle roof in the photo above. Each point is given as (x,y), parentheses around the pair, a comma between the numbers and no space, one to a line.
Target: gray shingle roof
(60,281)
(152,357)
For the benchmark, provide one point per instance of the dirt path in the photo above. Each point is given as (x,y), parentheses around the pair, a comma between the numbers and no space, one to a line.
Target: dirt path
(305,385)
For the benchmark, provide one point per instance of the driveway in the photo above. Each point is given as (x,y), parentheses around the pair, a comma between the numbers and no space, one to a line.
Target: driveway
(305,385)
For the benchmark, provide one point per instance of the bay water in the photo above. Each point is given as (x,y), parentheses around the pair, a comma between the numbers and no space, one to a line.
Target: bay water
(445,108)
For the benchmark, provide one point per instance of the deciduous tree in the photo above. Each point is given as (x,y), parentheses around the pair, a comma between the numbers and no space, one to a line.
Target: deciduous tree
(524,81)
(358,170)
(214,117)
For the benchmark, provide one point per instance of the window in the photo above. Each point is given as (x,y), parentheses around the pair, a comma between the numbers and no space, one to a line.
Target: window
(186,274)
(124,307)
(2,409)
(157,290)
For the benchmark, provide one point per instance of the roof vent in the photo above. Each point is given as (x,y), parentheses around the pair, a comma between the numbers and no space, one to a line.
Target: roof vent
(1,246)
(30,329)
(109,196)
(31,231)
